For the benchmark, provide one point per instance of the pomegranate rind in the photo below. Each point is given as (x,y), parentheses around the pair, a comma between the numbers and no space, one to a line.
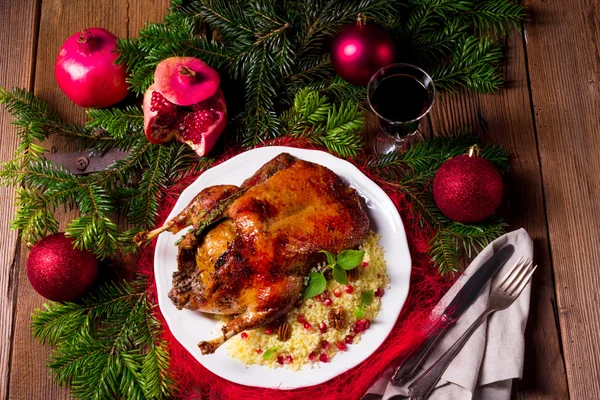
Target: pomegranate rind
(154,132)
(89,77)
(176,86)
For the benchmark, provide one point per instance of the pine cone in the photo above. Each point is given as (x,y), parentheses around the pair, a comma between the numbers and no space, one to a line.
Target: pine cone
(353,274)
(337,318)
(284,331)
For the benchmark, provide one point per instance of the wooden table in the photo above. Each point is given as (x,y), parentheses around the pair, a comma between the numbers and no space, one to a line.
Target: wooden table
(547,116)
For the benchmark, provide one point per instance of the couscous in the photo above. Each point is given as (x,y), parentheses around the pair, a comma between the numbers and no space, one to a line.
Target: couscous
(313,337)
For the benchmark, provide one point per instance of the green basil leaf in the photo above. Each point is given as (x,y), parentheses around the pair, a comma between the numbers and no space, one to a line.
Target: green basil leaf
(349,259)
(267,355)
(359,313)
(366,297)
(340,275)
(330,257)
(316,285)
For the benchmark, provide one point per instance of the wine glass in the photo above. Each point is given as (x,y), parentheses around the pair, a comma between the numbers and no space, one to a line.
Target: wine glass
(400,95)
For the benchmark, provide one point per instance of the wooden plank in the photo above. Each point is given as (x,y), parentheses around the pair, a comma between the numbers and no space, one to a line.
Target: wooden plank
(505,118)
(16,70)
(563,50)
(60,19)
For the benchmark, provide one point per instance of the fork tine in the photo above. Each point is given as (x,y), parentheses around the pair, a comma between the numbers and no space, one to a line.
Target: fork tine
(512,274)
(517,291)
(509,272)
(515,283)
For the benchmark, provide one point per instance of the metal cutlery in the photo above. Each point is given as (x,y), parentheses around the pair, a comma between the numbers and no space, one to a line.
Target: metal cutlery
(461,302)
(502,296)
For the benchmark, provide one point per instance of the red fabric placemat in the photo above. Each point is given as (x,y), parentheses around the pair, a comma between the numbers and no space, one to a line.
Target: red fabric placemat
(426,288)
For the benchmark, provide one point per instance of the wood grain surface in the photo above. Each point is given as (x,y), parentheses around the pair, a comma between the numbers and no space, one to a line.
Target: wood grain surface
(547,116)
(563,50)
(16,70)
(505,118)
(29,377)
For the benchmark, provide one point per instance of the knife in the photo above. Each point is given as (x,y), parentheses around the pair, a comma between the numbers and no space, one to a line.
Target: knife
(461,302)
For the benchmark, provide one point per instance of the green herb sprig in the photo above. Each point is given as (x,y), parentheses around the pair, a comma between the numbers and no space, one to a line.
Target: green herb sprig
(366,299)
(344,261)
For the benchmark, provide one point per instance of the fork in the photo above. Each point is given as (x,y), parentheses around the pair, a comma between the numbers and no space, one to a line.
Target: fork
(503,295)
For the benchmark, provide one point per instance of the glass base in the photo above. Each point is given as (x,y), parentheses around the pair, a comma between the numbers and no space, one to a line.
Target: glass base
(385,143)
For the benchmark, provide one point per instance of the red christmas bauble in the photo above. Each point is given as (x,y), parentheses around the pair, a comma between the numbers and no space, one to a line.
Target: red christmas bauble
(360,50)
(468,189)
(57,271)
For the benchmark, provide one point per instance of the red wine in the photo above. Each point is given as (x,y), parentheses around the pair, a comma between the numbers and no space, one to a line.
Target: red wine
(400,98)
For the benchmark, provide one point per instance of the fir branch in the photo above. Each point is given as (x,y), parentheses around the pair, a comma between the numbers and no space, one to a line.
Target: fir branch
(108,344)
(118,123)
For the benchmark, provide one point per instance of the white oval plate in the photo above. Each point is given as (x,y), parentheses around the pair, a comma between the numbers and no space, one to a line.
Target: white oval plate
(190,327)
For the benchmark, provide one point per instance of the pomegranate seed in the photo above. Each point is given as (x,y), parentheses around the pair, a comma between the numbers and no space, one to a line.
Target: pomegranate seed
(327,302)
(158,103)
(349,339)
(312,356)
(318,297)
(259,351)
(365,264)
(268,331)
(324,358)
(342,346)
(325,344)
(280,360)
(337,292)
(349,289)
(301,318)
(298,303)
(197,123)
(359,326)
(307,325)
(288,360)
(244,335)
(323,327)
(379,292)
(367,324)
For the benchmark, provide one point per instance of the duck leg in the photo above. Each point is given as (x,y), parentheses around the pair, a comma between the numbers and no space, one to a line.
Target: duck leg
(206,208)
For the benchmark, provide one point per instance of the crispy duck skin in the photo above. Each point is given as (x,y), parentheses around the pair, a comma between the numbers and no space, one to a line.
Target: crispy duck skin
(252,261)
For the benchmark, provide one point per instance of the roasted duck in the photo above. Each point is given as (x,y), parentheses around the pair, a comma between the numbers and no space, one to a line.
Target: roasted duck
(250,247)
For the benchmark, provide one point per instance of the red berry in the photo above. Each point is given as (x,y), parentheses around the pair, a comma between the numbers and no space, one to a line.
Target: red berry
(324,358)
(280,359)
(259,351)
(312,356)
(349,289)
(307,325)
(365,264)
(323,327)
(301,318)
(325,344)
(244,335)
(349,339)
(327,302)
(342,346)
(337,292)
(288,360)
(268,331)
(379,292)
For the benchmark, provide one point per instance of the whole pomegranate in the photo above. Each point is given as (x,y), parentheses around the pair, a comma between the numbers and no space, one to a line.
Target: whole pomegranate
(185,102)
(85,69)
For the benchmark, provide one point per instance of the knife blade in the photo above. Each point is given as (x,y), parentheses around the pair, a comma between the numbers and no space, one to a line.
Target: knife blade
(461,302)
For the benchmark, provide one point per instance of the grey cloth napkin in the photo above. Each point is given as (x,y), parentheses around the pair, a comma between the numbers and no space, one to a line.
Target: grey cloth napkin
(493,356)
